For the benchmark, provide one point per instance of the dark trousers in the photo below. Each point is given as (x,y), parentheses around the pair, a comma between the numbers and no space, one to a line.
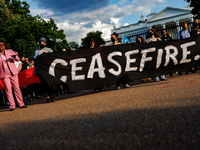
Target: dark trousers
(48,91)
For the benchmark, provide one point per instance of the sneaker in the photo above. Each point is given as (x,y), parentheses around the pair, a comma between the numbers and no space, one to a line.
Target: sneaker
(24,106)
(148,79)
(118,88)
(143,80)
(156,80)
(163,79)
(126,86)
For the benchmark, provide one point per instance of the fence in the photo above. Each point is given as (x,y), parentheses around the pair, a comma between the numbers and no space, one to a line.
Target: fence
(172,31)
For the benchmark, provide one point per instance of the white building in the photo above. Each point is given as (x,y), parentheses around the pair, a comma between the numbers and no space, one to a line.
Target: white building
(169,18)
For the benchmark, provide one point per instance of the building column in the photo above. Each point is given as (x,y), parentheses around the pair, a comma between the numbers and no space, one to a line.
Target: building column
(191,21)
(177,26)
(163,25)
(150,27)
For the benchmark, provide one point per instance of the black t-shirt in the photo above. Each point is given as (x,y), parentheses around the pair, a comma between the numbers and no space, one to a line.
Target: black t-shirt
(168,38)
(24,65)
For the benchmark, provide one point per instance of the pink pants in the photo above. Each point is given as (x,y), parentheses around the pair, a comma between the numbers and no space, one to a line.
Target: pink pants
(7,85)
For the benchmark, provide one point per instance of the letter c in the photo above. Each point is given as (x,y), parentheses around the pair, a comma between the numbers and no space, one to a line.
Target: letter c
(53,65)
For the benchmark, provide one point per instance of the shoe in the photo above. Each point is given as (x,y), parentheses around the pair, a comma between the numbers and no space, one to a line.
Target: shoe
(97,90)
(187,72)
(12,109)
(143,80)
(48,100)
(118,88)
(148,79)
(24,106)
(126,86)
(163,79)
(156,80)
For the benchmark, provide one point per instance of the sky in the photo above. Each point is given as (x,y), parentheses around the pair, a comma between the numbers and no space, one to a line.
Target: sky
(78,17)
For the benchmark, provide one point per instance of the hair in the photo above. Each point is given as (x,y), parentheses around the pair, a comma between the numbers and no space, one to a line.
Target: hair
(3,42)
(142,39)
(115,34)
(183,24)
(154,32)
(16,52)
(197,20)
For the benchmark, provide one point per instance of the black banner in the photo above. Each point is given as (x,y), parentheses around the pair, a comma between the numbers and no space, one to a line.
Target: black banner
(109,65)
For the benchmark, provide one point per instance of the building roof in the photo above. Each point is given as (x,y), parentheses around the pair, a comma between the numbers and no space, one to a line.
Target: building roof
(169,12)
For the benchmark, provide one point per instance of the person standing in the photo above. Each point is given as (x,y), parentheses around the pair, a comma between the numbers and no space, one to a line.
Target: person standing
(9,75)
(181,35)
(153,36)
(165,36)
(114,39)
(195,28)
(48,91)
(184,33)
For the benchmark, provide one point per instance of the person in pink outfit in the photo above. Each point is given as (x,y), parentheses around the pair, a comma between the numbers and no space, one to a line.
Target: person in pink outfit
(9,75)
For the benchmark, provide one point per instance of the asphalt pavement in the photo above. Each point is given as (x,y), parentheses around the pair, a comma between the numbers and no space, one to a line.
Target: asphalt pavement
(148,115)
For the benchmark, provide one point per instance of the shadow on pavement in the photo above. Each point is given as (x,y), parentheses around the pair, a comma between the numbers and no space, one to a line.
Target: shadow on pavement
(169,128)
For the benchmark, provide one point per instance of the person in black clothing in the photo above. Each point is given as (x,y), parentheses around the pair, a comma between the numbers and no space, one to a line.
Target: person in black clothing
(165,36)
(24,64)
(48,91)
(195,28)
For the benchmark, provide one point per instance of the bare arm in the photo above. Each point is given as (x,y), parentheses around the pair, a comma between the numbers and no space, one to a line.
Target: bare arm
(19,67)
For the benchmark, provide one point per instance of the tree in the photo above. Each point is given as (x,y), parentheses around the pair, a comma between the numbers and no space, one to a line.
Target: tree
(4,15)
(23,30)
(195,7)
(74,45)
(85,42)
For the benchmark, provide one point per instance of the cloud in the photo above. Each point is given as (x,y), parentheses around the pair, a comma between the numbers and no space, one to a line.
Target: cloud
(77,31)
(79,17)
(68,6)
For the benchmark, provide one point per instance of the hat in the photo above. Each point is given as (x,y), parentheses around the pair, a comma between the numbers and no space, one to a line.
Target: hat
(42,39)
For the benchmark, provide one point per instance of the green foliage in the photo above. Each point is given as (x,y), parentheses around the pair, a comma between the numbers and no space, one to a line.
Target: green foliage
(23,31)
(4,15)
(74,45)
(196,9)
(85,42)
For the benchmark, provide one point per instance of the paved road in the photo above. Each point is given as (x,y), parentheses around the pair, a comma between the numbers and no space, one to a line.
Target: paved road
(163,115)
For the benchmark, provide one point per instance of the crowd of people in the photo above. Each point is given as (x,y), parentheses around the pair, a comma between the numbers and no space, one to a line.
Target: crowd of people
(11,65)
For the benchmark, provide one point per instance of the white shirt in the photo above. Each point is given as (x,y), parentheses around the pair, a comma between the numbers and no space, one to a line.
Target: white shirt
(17,63)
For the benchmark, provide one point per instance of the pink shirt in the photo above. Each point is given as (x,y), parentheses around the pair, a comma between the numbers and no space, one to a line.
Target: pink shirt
(7,70)
(4,61)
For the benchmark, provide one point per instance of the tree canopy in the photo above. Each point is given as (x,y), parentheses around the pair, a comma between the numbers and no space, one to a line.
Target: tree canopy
(85,42)
(74,45)
(21,31)
(195,7)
